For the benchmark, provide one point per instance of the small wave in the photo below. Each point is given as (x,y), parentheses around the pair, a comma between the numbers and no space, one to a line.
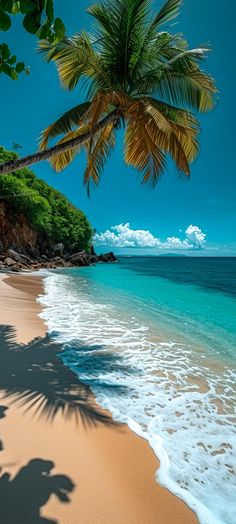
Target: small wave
(165,391)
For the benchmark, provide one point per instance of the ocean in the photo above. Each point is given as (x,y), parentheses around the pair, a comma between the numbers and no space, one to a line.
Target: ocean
(155,339)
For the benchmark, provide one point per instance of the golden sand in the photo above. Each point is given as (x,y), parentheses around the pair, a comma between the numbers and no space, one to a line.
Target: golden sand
(64,460)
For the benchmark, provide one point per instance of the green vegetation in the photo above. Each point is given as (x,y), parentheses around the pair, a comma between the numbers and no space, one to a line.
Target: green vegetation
(136,75)
(38,19)
(9,64)
(47,210)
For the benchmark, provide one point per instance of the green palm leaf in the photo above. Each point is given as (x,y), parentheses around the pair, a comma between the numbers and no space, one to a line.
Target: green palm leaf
(169,11)
(76,59)
(120,25)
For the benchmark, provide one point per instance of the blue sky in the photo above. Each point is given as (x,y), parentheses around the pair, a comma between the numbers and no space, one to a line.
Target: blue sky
(207,200)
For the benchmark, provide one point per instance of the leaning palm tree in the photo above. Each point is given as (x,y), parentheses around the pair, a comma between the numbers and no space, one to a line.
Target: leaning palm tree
(135,75)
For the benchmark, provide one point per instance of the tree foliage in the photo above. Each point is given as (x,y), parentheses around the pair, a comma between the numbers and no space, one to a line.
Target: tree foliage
(47,210)
(38,19)
(131,65)
(134,74)
(9,64)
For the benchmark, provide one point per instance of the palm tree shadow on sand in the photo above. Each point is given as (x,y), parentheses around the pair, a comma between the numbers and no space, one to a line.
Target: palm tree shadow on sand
(23,496)
(34,377)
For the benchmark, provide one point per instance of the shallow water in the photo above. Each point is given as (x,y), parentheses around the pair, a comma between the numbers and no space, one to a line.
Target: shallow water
(155,339)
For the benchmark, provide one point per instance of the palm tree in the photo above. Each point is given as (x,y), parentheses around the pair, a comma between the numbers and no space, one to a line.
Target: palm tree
(135,75)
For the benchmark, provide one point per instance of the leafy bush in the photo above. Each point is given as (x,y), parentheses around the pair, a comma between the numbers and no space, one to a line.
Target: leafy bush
(38,19)
(47,210)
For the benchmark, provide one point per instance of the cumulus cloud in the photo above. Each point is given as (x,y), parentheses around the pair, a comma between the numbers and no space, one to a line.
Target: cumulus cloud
(122,235)
(195,236)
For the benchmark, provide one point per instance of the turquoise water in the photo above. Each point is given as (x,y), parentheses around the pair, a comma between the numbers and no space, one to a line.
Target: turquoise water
(155,339)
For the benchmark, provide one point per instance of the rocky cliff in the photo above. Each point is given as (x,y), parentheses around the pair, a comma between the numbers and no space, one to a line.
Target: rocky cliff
(39,227)
(16,233)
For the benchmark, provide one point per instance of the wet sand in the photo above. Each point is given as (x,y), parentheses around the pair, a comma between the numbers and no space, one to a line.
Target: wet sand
(64,460)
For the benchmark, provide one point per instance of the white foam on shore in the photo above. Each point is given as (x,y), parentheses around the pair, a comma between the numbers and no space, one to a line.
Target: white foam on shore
(182,407)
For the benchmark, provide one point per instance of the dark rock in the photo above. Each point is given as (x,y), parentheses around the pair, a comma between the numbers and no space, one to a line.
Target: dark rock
(80,259)
(19,261)
(107,257)
(93,259)
(23,259)
(101,257)
(1,247)
(67,263)
(76,255)
(16,268)
(37,266)
(60,263)
(59,249)
(92,251)
(111,256)
(9,262)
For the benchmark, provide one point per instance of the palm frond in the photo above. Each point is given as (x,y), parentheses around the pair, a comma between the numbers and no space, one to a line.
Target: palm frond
(141,152)
(165,137)
(148,54)
(104,102)
(191,89)
(49,50)
(153,41)
(65,123)
(98,155)
(168,12)
(185,126)
(176,114)
(198,54)
(75,59)
(61,160)
(120,27)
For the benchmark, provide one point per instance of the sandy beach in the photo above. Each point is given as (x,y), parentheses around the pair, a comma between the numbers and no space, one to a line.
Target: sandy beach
(63,460)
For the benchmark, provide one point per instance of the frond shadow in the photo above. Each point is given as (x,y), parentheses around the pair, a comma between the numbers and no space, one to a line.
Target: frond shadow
(32,376)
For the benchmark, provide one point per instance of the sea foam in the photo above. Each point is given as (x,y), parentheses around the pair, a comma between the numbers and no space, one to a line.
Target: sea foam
(164,390)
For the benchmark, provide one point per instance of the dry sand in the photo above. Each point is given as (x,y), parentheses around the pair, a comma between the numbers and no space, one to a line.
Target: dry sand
(63,460)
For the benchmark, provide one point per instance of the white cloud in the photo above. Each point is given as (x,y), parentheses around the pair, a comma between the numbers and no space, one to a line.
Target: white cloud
(195,236)
(123,236)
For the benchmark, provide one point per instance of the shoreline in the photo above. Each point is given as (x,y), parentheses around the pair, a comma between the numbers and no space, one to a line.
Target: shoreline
(106,471)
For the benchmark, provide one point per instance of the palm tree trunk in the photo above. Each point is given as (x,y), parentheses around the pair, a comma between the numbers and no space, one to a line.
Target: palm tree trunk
(19,163)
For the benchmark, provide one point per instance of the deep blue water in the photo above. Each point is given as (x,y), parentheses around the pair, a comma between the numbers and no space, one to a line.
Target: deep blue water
(211,273)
